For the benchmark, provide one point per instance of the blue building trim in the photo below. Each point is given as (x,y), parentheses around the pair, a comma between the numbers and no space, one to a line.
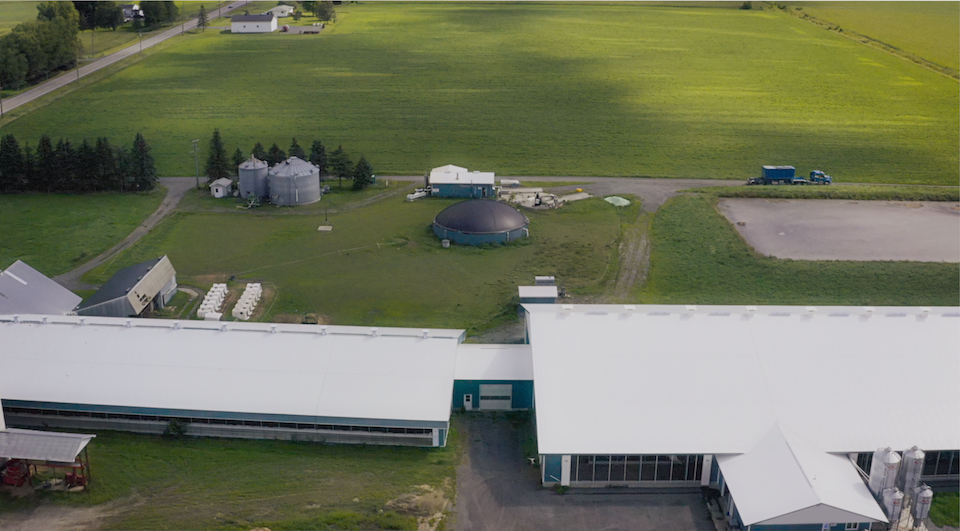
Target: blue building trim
(225,415)
(463,190)
(466,238)
(552,468)
(522,397)
(862,526)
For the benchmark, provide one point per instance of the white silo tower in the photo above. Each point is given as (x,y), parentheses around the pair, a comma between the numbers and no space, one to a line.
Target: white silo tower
(883,471)
(893,505)
(921,505)
(253,178)
(910,470)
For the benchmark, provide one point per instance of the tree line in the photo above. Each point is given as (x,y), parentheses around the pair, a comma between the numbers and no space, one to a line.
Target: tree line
(337,163)
(34,49)
(88,167)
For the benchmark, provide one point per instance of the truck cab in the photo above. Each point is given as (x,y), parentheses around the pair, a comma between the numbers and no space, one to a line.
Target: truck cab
(818,177)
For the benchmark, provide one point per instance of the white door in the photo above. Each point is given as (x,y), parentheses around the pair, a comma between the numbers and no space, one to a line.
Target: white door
(496,396)
(468,402)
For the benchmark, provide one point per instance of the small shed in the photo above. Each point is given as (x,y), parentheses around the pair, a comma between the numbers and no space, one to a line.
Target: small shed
(538,294)
(134,291)
(221,188)
(265,23)
(454,181)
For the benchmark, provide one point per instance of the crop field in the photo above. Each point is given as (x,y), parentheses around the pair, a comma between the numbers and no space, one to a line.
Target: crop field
(537,89)
(207,483)
(382,264)
(697,257)
(926,29)
(55,233)
(13,13)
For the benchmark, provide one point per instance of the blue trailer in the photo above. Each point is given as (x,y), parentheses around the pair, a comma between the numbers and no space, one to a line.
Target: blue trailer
(788,175)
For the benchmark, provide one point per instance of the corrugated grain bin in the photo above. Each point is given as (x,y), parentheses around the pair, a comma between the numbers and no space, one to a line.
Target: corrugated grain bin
(253,178)
(294,182)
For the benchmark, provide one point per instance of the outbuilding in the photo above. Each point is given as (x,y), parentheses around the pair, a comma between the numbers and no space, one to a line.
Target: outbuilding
(480,221)
(454,181)
(134,291)
(23,289)
(493,377)
(266,23)
(221,188)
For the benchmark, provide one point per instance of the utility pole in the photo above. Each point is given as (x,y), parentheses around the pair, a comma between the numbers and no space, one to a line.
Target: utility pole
(196,159)
(181,18)
(141,43)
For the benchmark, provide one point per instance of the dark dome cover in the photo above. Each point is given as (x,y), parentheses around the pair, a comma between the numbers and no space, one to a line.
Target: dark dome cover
(481,216)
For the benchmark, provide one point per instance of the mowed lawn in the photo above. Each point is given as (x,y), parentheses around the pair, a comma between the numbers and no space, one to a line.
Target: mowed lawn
(926,29)
(382,264)
(13,13)
(533,89)
(54,233)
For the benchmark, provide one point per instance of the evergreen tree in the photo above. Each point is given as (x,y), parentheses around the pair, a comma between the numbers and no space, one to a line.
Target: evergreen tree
(202,19)
(324,11)
(29,168)
(106,166)
(44,165)
(318,156)
(12,169)
(65,168)
(276,155)
(297,151)
(238,159)
(340,164)
(218,165)
(143,170)
(362,174)
(259,152)
(85,169)
(124,169)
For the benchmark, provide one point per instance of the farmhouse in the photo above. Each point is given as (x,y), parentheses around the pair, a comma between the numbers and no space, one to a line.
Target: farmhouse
(131,11)
(265,23)
(134,291)
(23,289)
(454,181)
(221,188)
(480,221)
(280,11)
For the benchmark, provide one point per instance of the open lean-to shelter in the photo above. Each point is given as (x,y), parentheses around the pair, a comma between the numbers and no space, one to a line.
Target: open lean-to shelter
(480,221)
(134,291)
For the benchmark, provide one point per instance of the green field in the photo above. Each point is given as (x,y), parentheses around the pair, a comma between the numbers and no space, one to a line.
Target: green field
(699,258)
(55,233)
(926,29)
(13,13)
(382,264)
(210,483)
(540,89)
(945,509)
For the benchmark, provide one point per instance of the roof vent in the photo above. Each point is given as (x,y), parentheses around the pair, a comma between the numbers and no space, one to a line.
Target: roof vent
(811,310)
(44,320)
(924,311)
(223,328)
(273,329)
(426,333)
(323,330)
(176,325)
(691,308)
(629,308)
(868,311)
(751,310)
(129,323)
(373,332)
(83,322)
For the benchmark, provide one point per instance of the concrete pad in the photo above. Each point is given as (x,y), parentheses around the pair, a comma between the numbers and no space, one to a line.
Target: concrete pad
(823,229)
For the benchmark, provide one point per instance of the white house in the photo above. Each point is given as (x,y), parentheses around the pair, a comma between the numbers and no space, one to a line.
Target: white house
(281,11)
(221,188)
(265,23)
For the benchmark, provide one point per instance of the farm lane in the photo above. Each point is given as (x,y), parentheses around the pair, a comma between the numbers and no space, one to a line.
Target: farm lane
(71,77)
(177,187)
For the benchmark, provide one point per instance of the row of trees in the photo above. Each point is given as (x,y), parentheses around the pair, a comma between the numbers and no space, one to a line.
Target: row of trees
(322,10)
(99,15)
(85,168)
(35,48)
(337,163)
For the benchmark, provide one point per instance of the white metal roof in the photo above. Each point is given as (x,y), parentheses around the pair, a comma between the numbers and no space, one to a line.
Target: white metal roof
(538,292)
(42,445)
(494,362)
(786,480)
(713,380)
(26,290)
(451,174)
(222,182)
(348,372)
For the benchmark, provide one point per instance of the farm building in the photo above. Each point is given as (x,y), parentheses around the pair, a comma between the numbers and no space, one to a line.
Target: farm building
(454,181)
(221,188)
(280,11)
(294,182)
(493,377)
(480,221)
(134,291)
(244,380)
(266,23)
(538,294)
(253,178)
(23,289)
(773,406)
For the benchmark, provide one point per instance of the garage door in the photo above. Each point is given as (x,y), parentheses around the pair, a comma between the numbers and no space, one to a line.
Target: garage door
(496,396)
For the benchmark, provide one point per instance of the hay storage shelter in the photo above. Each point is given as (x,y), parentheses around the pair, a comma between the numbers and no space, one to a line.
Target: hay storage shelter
(294,182)
(253,178)
(134,291)
(481,221)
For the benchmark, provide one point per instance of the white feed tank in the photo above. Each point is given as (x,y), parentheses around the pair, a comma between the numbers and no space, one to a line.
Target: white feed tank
(892,505)
(883,470)
(921,505)
(253,179)
(911,468)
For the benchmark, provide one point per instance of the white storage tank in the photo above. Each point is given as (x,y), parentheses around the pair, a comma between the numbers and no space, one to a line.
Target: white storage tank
(253,178)
(921,505)
(893,505)
(883,471)
(912,467)
(294,182)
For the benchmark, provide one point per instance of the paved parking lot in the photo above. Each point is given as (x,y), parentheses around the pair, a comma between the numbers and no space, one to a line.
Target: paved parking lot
(497,490)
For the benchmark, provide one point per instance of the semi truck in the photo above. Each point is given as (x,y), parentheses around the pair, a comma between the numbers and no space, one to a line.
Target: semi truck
(788,175)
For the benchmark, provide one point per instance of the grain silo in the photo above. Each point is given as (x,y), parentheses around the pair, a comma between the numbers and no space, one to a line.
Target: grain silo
(294,182)
(253,178)
(480,221)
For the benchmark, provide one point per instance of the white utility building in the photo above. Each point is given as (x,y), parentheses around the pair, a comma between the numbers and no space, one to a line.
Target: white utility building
(266,23)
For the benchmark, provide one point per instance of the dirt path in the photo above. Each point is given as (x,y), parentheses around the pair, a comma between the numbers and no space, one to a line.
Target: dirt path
(176,188)
(634,259)
(48,517)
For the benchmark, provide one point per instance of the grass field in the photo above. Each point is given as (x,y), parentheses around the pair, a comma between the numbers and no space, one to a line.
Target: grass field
(533,89)
(55,233)
(238,484)
(382,264)
(926,29)
(945,509)
(13,13)
(698,258)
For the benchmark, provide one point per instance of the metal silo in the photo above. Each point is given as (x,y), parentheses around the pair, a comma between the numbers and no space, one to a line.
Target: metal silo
(883,471)
(253,178)
(893,505)
(921,505)
(912,467)
(294,182)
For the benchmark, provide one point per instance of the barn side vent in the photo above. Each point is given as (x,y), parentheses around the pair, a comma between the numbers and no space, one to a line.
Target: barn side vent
(129,323)
(924,312)
(751,310)
(691,308)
